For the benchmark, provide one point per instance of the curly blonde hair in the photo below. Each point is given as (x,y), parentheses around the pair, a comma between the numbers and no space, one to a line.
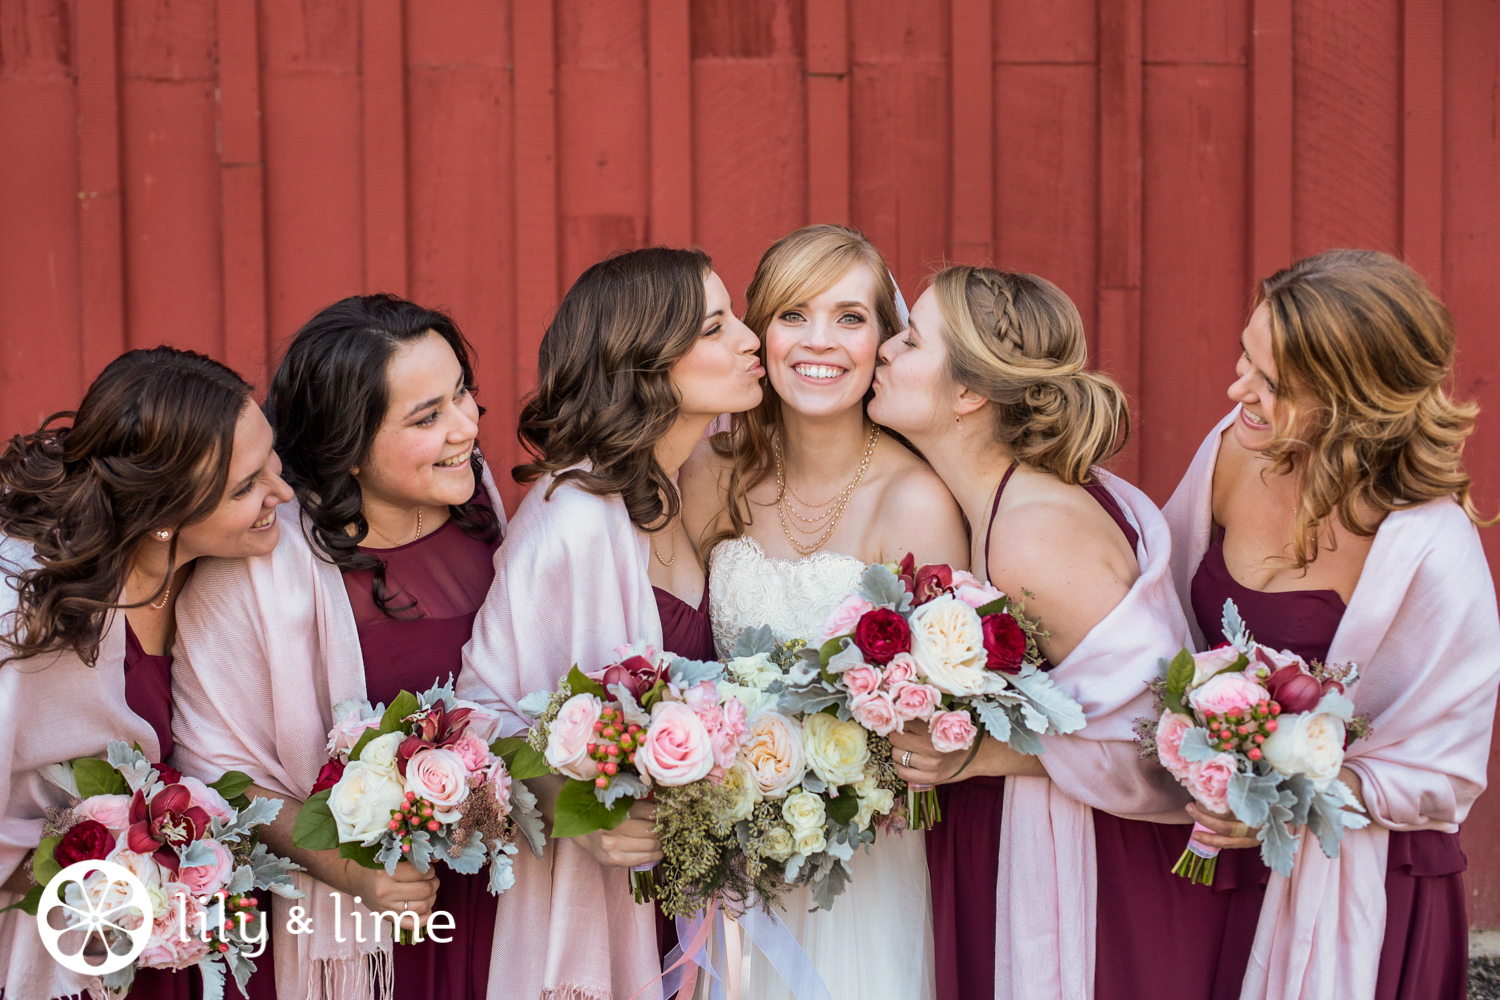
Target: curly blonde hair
(1364,355)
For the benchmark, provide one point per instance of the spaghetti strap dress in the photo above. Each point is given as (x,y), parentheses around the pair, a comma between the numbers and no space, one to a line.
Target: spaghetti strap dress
(443,577)
(1426,947)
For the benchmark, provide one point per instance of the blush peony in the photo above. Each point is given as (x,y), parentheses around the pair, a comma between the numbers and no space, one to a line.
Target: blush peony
(774,753)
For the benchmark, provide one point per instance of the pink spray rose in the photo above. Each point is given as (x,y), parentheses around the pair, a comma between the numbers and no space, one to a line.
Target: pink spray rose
(875,711)
(569,735)
(901,669)
(1169,742)
(205,880)
(500,785)
(474,752)
(676,749)
(440,777)
(915,701)
(165,948)
(347,731)
(842,619)
(972,591)
(861,679)
(951,731)
(209,799)
(484,723)
(113,811)
(1223,692)
(1208,780)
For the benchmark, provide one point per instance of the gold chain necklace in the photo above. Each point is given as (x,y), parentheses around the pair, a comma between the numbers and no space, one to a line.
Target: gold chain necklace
(840,501)
(664,562)
(392,540)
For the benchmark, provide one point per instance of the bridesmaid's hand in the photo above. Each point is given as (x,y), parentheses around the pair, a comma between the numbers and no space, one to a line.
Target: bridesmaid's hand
(918,762)
(1228,832)
(633,842)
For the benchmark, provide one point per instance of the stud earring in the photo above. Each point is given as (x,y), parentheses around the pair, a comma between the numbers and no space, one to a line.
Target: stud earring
(164,534)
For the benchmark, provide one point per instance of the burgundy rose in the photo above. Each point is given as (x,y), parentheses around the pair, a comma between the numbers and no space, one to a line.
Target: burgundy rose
(168,775)
(881,634)
(329,775)
(636,674)
(86,841)
(1004,643)
(168,821)
(1294,689)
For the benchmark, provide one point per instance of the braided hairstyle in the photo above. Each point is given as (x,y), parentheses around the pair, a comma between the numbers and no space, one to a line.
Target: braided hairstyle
(1018,341)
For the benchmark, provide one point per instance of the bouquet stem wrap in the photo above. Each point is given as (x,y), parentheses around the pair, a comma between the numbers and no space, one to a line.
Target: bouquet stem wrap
(765,930)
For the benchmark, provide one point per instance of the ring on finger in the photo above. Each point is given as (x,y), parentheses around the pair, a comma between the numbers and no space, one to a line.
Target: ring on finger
(403,906)
(906,759)
(1238,829)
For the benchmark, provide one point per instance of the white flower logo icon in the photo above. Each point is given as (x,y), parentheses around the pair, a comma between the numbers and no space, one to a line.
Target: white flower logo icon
(108,898)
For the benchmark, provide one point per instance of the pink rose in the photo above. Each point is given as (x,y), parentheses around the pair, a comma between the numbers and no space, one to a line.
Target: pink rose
(500,786)
(677,749)
(208,799)
(165,948)
(346,732)
(901,669)
(1208,780)
(701,697)
(842,619)
(875,711)
(205,880)
(1169,742)
(1223,692)
(485,724)
(915,701)
(1212,661)
(973,591)
(440,777)
(569,735)
(111,811)
(861,679)
(951,731)
(474,752)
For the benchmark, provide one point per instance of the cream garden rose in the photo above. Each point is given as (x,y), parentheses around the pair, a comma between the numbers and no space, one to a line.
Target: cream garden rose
(774,754)
(739,780)
(362,801)
(947,641)
(1311,743)
(836,751)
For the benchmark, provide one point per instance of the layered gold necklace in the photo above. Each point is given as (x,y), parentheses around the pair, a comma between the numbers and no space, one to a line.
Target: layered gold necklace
(822,518)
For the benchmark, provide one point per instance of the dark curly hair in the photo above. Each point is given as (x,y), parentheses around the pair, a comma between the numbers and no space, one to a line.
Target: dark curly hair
(149,448)
(604,390)
(328,399)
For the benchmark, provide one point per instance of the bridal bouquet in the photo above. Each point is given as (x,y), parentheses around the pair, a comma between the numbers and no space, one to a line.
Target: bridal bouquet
(419,781)
(936,644)
(194,848)
(1260,735)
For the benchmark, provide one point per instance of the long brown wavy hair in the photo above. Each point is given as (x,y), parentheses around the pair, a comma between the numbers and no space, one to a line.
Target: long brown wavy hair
(148,448)
(797,267)
(1364,357)
(604,388)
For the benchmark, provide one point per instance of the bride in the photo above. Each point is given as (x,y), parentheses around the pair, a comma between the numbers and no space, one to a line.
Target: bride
(790,505)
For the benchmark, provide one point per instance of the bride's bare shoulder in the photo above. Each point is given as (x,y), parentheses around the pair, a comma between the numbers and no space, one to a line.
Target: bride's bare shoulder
(916,513)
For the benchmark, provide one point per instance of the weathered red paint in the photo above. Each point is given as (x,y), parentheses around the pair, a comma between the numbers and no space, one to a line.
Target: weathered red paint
(210,172)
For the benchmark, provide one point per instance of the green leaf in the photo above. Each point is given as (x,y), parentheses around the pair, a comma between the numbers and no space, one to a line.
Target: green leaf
(650,698)
(44,867)
(581,683)
(1180,673)
(96,777)
(842,809)
(998,606)
(404,704)
(1239,665)
(362,856)
(27,903)
(520,759)
(359,745)
(579,811)
(829,649)
(232,784)
(314,827)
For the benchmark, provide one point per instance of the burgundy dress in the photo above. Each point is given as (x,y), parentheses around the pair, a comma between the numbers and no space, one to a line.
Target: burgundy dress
(1425,955)
(1157,935)
(148,692)
(686,631)
(447,573)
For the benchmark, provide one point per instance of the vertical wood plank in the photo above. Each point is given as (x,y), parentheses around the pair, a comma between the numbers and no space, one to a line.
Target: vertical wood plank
(1270,138)
(972,239)
(534,56)
(828,111)
(669,55)
(1422,138)
(1120,179)
(102,263)
(242,191)
(383,77)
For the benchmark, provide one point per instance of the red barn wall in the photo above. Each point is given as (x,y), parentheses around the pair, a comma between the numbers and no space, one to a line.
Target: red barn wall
(209,173)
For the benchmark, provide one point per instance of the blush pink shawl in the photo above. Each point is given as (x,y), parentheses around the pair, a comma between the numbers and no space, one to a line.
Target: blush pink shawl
(570,585)
(54,708)
(265,648)
(1047,890)
(1423,628)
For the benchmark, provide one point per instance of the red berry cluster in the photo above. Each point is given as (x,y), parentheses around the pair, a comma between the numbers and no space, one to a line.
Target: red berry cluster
(617,744)
(232,905)
(415,814)
(1243,729)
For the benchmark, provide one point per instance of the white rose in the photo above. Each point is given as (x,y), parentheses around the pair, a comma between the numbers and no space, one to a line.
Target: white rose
(810,842)
(755,671)
(947,641)
(876,802)
(837,751)
(740,781)
(362,801)
(753,698)
(779,844)
(804,811)
(1311,744)
(380,754)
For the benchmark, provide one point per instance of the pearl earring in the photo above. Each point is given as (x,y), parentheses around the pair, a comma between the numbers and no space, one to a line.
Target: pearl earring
(164,534)
(959,422)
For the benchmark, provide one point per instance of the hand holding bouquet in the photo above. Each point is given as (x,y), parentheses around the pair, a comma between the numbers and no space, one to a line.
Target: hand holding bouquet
(194,848)
(421,782)
(1260,735)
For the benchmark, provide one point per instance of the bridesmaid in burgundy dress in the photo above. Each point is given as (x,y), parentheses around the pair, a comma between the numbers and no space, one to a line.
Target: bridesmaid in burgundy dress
(376,421)
(1349,352)
(171,452)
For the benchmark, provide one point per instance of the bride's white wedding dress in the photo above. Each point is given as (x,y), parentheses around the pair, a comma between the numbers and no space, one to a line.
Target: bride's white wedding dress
(876,942)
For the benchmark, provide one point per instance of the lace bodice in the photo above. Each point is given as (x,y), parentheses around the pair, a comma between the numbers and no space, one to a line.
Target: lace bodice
(748,588)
